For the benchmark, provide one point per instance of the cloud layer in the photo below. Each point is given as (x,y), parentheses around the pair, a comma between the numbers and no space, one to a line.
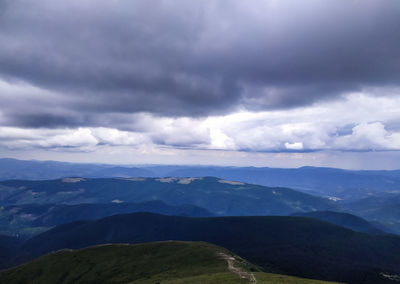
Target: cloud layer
(246,76)
(357,123)
(174,58)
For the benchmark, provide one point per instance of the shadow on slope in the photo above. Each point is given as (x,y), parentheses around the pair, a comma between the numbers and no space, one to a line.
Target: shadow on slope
(290,245)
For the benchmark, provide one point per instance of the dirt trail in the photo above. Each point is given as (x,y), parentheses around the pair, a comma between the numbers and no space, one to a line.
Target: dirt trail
(237,270)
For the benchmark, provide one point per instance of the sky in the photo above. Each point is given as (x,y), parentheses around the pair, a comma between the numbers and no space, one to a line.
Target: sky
(242,83)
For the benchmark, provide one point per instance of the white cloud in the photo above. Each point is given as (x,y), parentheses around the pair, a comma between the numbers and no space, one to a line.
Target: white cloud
(369,136)
(182,132)
(220,140)
(118,137)
(294,146)
(359,122)
(82,137)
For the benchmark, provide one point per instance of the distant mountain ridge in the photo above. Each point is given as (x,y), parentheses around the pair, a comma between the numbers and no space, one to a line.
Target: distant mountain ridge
(345,220)
(220,197)
(382,209)
(30,219)
(322,181)
(339,183)
(41,170)
(373,195)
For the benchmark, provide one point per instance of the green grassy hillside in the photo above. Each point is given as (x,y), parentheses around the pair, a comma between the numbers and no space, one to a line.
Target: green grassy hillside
(297,246)
(161,262)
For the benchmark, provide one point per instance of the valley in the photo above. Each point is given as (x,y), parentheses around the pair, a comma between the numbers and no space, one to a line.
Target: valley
(278,230)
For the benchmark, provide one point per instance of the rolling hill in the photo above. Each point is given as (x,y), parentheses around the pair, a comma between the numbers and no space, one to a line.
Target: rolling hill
(27,220)
(345,220)
(161,262)
(383,210)
(220,197)
(289,245)
(345,184)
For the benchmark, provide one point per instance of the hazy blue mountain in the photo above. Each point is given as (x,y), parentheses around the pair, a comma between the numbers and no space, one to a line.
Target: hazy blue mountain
(293,245)
(30,219)
(363,192)
(220,197)
(345,184)
(39,170)
(345,220)
(42,170)
(322,181)
(121,172)
(382,209)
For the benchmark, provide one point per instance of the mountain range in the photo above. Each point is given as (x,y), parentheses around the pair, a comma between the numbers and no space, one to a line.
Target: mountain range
(26,220)
(297,246)
(220,197)
(335,183)
(334,225)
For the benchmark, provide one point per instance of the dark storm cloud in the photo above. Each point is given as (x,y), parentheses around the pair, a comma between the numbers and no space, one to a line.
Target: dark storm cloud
(181,58)
(49,120)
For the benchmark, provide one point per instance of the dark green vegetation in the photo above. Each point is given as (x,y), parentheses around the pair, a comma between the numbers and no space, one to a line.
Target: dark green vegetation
(162,262)
(123,264)
(345,220)
(383,210)
(8,249)
(289,245)
(30,207)
(218,196)
(30,219)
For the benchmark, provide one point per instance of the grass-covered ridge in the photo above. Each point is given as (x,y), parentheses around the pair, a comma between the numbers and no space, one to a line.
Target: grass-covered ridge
(297,246)
(159,262)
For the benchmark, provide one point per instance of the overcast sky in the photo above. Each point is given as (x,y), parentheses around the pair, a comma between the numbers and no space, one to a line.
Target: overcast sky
(263,83)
